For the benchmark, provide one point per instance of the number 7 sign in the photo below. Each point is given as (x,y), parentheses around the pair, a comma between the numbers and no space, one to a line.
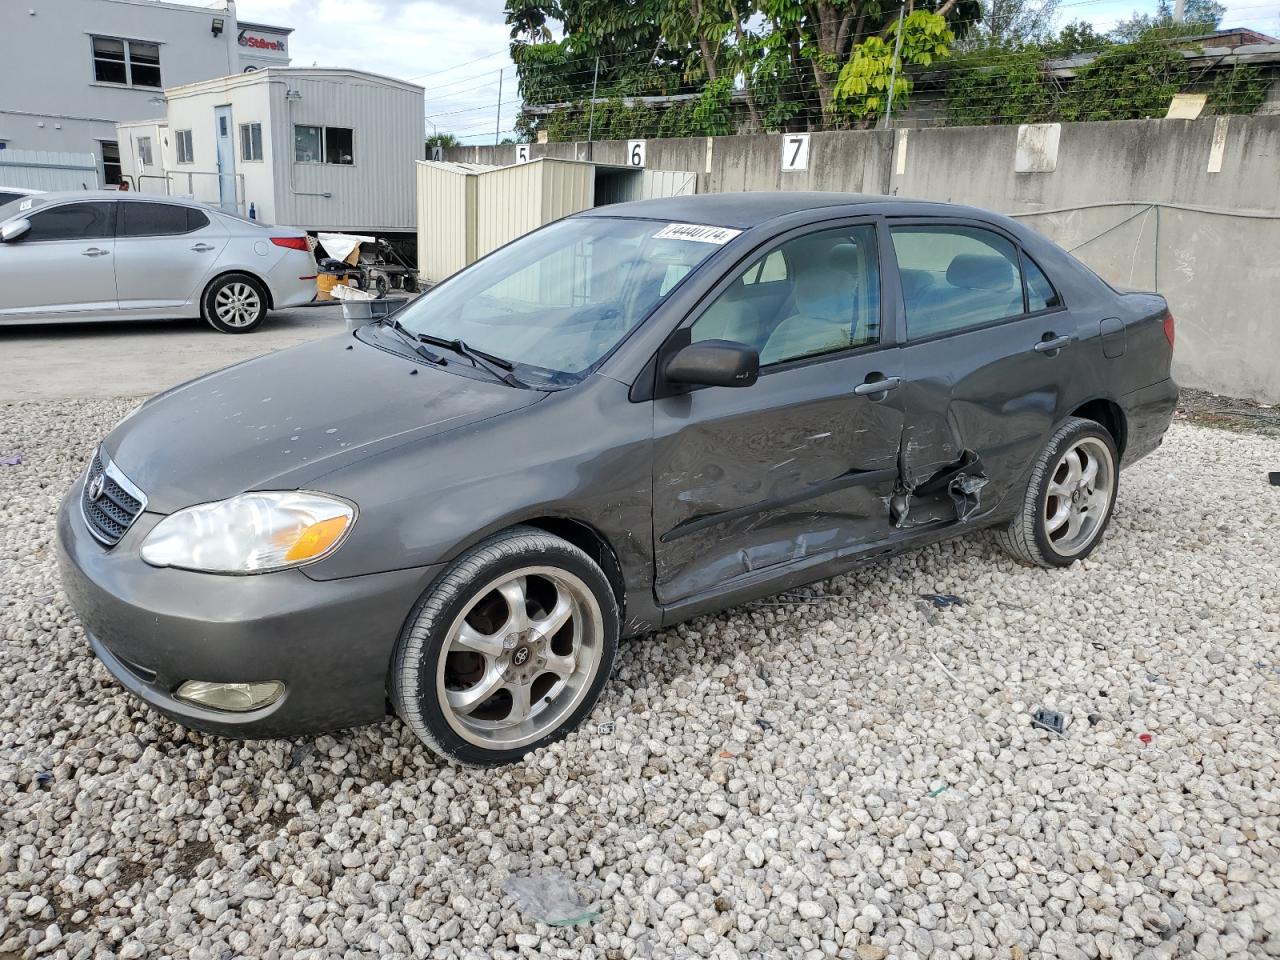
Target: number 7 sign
(795,151)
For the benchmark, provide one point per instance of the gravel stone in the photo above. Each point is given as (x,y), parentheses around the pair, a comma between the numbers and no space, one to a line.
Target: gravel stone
(844,775)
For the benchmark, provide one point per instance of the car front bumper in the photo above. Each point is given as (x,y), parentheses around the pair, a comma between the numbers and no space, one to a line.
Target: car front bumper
(330,642)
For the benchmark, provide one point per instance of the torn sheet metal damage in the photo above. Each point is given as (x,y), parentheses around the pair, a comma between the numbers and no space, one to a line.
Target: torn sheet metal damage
(962,481)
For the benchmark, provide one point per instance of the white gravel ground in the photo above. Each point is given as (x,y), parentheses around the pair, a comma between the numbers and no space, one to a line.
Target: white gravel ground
(854,776)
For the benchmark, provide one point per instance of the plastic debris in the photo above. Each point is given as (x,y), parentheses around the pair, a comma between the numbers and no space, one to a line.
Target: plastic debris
(551,897)
(1274,477)
(1049,720)
(44,778)
(1145,737)
(943,600)
(299,754)
(937,790)
(12,460)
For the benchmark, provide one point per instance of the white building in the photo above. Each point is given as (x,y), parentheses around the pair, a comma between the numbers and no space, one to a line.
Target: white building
(70,70)
(316,148)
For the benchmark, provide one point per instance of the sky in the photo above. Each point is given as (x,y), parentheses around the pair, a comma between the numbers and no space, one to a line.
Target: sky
(457,49)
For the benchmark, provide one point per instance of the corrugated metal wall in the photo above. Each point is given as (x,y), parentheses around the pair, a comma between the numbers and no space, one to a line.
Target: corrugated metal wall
(446,201)
(376,192)
(48,170)
(511,201)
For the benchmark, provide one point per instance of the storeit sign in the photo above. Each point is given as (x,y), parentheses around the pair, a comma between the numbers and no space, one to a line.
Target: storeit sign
(261,42)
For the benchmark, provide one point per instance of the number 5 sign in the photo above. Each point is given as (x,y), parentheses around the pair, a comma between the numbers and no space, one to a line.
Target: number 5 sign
(795,151)
(522,153)
(635,153)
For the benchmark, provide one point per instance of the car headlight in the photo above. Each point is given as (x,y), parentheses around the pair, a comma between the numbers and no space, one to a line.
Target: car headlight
(250,533)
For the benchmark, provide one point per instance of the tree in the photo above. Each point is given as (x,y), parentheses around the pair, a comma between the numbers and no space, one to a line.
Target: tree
(1198,16)
(1011,24)
(862,89)
(443,140)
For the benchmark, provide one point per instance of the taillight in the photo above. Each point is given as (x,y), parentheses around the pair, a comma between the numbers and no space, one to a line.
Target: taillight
(293,243)
(1168,328)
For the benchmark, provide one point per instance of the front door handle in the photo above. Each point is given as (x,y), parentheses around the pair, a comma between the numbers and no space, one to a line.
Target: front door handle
(1051,346)
(202,247)
(94,252)
(877,388)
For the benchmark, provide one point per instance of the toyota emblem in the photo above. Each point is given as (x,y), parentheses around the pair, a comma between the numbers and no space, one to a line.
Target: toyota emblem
(95,488)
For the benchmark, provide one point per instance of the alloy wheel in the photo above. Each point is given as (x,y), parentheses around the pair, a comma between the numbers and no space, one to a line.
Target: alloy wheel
(520,657)
(1078,496)
(237,304)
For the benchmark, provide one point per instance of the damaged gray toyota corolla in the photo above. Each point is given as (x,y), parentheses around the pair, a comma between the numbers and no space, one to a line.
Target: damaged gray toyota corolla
(633,416)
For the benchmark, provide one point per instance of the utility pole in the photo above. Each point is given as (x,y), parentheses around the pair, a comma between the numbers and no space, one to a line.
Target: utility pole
(591,122)
(1179,11)
(893,73)
(497,126)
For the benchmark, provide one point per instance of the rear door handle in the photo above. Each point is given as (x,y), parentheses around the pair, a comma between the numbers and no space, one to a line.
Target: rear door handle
(94,252)
(202,248)
(1051,346)
(870,388)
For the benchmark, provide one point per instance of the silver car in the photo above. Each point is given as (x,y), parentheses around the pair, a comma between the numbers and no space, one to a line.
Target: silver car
(108,255)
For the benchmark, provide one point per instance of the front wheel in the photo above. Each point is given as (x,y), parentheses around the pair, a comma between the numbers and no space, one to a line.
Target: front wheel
(508,651)
(1069,498)
(236,303)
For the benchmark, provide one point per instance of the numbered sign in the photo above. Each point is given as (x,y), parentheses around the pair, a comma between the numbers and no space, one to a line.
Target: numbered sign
(522,153)
(795,151)
(635,153)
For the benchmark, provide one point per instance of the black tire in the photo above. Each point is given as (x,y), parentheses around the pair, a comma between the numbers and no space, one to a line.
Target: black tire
(380,285)
(233,285)
(1027,537)
(418,674)
(409,284)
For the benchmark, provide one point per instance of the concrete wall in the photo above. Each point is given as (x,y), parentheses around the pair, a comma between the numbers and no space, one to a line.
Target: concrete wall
(1188,207)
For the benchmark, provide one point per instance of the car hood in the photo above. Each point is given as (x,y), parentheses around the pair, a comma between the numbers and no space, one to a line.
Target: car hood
(283,420)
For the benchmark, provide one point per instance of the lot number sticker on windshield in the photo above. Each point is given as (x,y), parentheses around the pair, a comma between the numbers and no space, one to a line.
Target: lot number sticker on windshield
(696,232)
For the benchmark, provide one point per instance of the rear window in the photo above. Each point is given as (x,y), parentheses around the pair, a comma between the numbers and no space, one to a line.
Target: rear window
(147,219)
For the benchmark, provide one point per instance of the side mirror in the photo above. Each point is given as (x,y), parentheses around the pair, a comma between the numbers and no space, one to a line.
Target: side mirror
(715,363)
(14,230)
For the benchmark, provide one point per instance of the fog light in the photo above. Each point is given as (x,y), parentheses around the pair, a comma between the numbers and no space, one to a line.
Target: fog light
(233,697)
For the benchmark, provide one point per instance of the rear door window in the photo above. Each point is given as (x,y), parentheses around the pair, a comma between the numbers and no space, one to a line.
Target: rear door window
(73,221)
(956,277)
(1040,292)
(142,218)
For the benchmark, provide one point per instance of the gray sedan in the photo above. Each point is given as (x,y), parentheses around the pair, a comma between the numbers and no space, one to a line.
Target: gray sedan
(107,255)
(633,416)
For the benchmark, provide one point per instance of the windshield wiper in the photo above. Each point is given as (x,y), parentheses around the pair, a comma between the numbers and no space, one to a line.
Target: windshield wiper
(498,366)
(413,341)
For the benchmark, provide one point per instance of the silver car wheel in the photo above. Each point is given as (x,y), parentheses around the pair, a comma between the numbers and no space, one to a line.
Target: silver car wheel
(520,657)
(237,304)
(1078,496)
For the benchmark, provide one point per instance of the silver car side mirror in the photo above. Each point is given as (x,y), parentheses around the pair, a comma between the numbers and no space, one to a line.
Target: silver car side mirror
(14,230)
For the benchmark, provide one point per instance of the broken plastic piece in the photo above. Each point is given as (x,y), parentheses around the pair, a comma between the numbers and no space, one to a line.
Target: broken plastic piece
(937,790)
(11,461)
(551,897)
(1049,720)
(1145,737)
(44,778)
(1274,477)
(943,600)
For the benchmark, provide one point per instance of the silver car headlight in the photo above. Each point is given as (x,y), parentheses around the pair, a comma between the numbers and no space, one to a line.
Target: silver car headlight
(251,533)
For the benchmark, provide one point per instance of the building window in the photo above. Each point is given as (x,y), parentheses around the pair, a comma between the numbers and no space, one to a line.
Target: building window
(144,151)
(185,153)
(250,141)
(126,62)
(111,172)
(324,145)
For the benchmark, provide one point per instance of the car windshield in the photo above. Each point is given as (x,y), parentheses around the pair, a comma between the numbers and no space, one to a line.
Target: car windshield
(557,301)
(23,206)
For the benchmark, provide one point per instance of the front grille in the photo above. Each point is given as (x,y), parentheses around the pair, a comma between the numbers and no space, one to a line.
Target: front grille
(109,501)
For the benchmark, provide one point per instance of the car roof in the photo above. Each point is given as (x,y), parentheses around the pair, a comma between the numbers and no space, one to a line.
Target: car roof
(746,210)
(24,191)
(56,196)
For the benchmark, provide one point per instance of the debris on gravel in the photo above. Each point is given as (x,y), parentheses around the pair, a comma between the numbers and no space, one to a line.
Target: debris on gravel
(846,771)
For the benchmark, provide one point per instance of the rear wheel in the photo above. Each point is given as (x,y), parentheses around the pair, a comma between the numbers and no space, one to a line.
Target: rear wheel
(236,303)
(1069,498)
(508,651)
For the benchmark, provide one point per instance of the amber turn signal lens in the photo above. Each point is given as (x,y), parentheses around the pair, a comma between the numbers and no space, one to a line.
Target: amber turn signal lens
(316,539)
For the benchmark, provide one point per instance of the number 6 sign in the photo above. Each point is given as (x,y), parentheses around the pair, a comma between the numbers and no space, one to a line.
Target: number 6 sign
(795,151)
(635,153)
